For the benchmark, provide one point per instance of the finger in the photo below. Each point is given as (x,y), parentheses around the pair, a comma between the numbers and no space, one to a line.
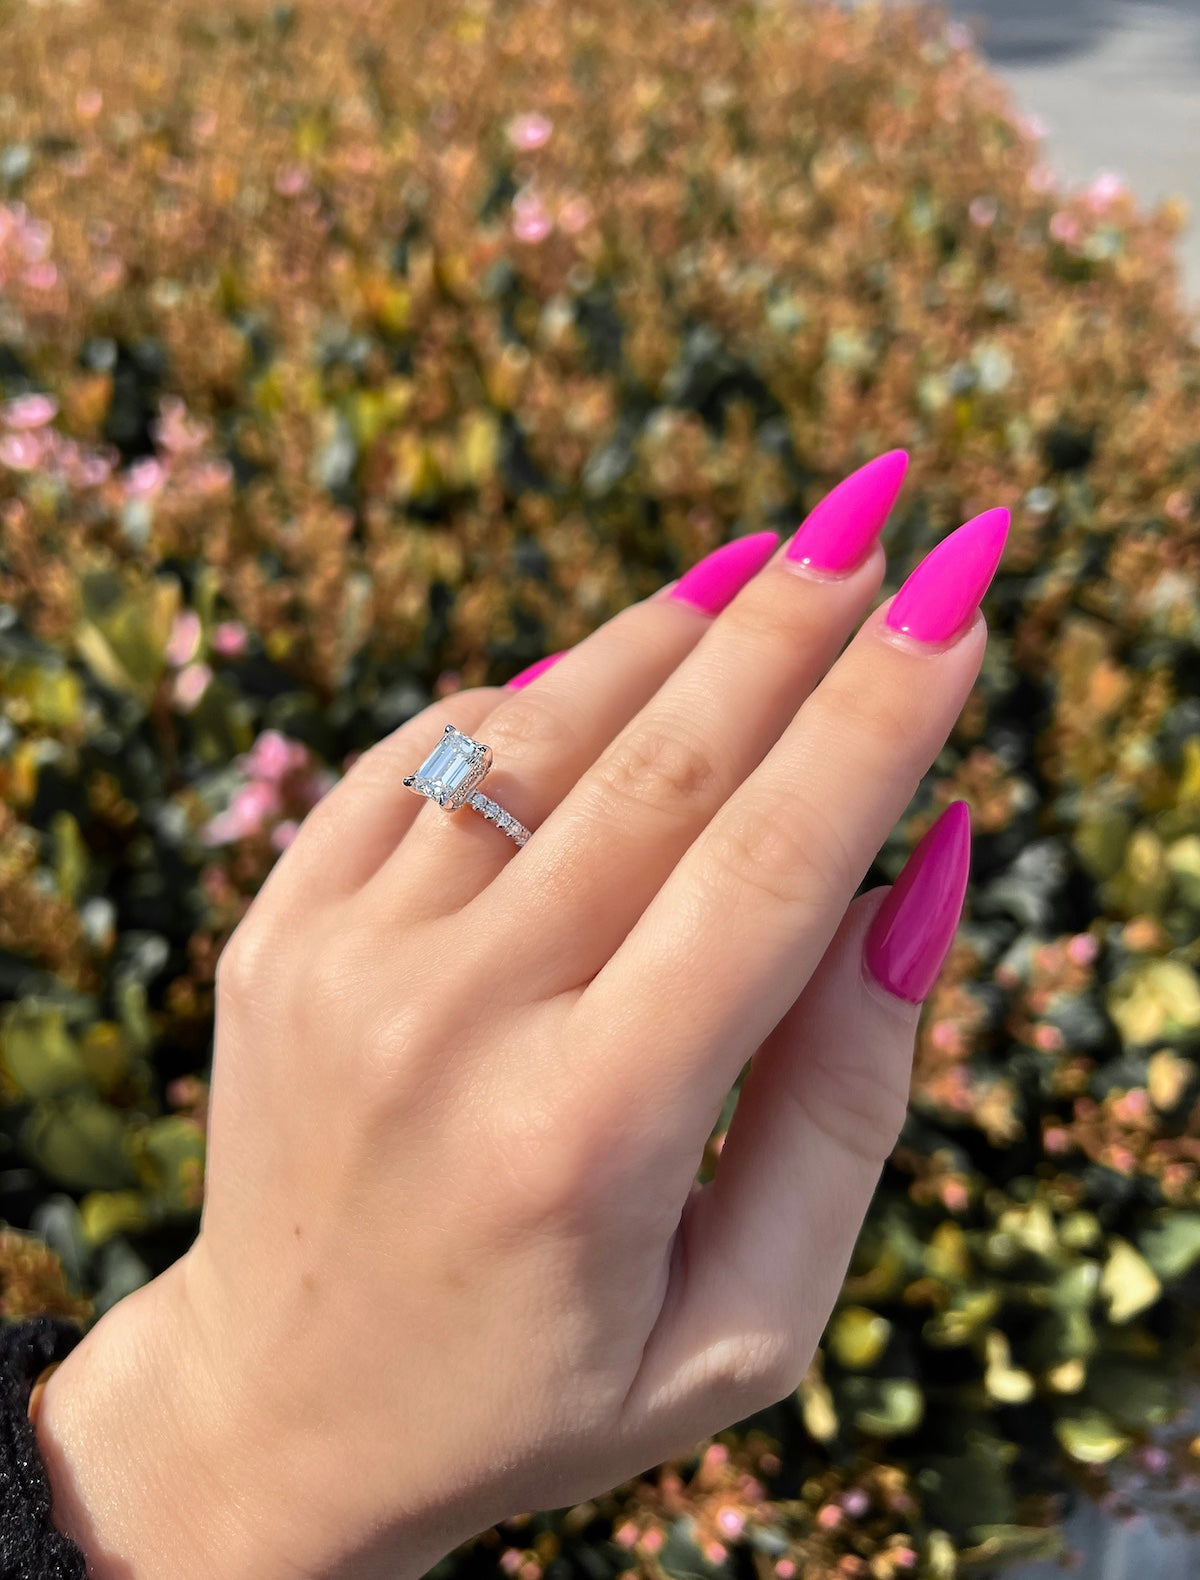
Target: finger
(543,735)
(748,912)
(613,839)
(355,827)
(768,1241)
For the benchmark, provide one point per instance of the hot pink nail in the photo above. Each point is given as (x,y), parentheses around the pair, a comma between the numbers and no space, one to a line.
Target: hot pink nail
(943,593)
(718,577)
(534,670)
(836,535)
(911,933)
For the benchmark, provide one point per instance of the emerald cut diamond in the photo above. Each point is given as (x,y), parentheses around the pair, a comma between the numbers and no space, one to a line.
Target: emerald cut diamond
(452,770)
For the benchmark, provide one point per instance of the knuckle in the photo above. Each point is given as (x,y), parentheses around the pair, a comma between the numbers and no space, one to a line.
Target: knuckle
(760,1369)
(658,769)
(859,1108)
(240,963)
(528,720)
(782,853)
(856,713)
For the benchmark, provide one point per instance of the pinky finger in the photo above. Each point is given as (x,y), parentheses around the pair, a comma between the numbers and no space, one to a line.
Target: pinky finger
(764,1248)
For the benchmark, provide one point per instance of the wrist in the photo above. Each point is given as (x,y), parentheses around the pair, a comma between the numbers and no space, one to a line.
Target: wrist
(160,1468)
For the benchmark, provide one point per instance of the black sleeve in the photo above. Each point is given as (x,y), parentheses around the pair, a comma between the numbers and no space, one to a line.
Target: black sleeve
(31,1548)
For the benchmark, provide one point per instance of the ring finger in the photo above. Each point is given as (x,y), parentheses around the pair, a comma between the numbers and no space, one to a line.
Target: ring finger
(545,737)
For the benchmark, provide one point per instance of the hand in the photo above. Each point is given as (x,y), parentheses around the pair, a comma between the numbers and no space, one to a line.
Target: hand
(453,1264)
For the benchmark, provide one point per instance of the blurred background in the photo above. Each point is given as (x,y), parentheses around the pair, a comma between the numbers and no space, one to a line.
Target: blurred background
(1118,84)
(353,355)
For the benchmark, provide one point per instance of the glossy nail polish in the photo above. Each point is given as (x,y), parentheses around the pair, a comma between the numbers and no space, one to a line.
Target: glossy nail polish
(911,933)
(526,675)
(836,535)
(719,576)
(941,596)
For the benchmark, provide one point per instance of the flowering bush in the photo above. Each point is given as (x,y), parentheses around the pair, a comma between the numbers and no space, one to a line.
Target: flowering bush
(326,388)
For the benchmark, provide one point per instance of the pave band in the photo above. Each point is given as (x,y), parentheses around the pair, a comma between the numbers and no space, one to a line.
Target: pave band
(451,776)
(504,821)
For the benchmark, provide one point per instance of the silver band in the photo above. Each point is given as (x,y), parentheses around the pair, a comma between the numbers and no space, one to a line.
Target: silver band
(504,821)
(451,775)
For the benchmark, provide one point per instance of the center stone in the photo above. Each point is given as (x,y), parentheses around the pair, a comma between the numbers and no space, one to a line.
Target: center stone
(452,770)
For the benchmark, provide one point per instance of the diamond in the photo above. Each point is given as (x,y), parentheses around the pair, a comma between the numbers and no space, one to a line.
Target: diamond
(452,770)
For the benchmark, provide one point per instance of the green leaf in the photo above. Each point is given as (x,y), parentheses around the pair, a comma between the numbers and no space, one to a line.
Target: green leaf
(1172,1246)
(1091,1438)
(39,1052)
(79,1142)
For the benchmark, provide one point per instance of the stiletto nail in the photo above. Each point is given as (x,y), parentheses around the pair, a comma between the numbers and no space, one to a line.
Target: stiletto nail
(526,675)
(911,933)
(943,593)
(836,535)
(718,577)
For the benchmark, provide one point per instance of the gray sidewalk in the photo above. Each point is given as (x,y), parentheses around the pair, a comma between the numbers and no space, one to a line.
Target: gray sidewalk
(1117,82)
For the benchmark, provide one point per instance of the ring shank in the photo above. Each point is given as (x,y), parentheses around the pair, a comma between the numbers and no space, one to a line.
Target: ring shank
(504,821)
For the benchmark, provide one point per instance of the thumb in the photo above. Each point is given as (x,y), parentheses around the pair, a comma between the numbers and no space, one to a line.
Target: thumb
(765,1246)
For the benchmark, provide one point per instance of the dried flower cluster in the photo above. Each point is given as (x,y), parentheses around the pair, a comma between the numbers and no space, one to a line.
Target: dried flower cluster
(353,354)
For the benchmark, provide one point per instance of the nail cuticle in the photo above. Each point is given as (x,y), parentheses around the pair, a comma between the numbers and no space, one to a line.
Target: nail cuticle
(905,642)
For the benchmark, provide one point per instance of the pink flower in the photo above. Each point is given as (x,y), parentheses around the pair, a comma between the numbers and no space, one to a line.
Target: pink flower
(88,103)
(531,218)
(732,1521)
(959,36)
(291,180)
(229,639)
(1065,228)
(284,833)
(510,1560)
(625,1535)
(785,1568)
(530,131)
(1055,1139)
(715,1552)
(1083,949)
(272,756)
(184,641)
(983,212)
(715,1454)
(652,1541)
(144,477)
(190,685)
(21,452)
(253,804)
(829,1517)
(904,1558)
(1104,191)
(856,1503)
(30,411)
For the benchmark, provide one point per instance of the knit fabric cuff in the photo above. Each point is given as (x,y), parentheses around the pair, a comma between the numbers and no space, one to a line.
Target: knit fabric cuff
(31,1548)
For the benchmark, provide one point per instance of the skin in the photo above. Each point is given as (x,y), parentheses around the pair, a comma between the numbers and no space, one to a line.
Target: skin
(453,1263)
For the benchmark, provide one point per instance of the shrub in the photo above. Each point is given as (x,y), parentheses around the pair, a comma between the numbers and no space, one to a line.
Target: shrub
(352,355)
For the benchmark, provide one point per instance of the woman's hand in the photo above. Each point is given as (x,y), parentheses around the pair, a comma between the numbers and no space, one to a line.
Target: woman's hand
(452,1263)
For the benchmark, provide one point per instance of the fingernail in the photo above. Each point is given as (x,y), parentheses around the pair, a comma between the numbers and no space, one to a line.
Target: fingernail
(719,576)
(836,535)
(534,670)
(943,593)
(911,933)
